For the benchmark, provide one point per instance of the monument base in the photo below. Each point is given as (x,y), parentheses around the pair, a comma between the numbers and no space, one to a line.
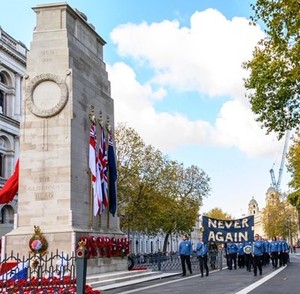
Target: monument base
(18,242)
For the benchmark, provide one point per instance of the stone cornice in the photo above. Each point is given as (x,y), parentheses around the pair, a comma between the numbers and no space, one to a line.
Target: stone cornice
(12,52)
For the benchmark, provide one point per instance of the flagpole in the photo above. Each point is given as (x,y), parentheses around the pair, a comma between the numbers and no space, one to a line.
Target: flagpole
(108,179)
(92,120)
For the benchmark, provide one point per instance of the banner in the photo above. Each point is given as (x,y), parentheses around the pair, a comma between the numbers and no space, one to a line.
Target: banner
(237,230)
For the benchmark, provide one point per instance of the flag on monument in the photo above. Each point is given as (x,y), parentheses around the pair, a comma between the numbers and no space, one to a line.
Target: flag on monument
(92,152)
(98,199)
(10,187)
(112,175)
(93,165)
(103,168)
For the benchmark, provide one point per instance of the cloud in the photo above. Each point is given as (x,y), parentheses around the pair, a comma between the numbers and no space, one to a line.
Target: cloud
(204,58)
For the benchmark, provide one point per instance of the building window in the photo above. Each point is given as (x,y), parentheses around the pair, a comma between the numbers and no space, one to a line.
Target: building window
(3,79)
(2,102)
(7,215)
(2,165)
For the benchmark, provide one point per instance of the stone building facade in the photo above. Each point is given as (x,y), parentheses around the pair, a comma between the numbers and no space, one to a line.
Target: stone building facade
(12,68)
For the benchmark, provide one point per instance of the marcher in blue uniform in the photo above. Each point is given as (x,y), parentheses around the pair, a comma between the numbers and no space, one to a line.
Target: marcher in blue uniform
(284,251)
(202,250)
(232,254)
(266,256)
(185,250)
(241,255)
(247,247)
(273,251)
(257,254)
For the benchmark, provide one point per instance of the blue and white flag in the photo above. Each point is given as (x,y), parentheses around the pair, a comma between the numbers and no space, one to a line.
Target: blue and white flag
(13,271)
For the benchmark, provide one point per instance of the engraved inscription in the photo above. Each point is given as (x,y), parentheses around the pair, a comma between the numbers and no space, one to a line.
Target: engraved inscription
(43,196)
(36,188)
(47,52)
(46,55)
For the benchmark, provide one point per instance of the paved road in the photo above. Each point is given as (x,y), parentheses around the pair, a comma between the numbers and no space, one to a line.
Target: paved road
(283,280)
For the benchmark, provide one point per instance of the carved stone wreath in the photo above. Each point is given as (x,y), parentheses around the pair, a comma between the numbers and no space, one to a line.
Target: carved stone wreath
(49,103)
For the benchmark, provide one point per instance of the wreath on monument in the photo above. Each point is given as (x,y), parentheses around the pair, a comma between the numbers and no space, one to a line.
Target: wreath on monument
(38,243)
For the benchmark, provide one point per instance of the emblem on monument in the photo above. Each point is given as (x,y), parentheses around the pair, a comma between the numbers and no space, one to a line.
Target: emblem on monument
(46,95)
(38,243)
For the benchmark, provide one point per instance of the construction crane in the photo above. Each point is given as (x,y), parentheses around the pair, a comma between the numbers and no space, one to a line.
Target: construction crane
(276,185)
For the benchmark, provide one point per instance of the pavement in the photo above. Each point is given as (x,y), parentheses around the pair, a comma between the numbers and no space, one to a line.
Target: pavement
(283,280)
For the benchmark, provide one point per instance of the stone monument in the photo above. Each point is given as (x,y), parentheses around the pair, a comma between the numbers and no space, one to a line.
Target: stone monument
(66,77)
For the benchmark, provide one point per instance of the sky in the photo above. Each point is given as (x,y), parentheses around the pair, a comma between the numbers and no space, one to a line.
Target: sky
(176,76)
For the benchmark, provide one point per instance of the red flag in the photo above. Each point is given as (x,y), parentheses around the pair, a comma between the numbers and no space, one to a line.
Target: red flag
(11,186)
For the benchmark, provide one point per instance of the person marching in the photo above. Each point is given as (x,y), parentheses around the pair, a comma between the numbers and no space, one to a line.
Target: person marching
(185,250)
(257,254)
(241,255)
(284,251)
(232,254)
(202,250)
(273,251)
(247,247)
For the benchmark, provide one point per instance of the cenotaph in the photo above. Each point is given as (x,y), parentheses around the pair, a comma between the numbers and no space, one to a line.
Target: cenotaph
(66,77)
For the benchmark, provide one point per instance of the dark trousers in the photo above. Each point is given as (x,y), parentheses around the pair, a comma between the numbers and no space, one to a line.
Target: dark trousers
(203,264)
(274,257)
(241,260)
(257,263)
(248,262)
(232,259)
(185,259)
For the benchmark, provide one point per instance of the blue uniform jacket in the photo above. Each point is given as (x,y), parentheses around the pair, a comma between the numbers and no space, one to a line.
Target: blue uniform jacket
(258,248)
(240,249)
(283,246)
(202,249)
(232,248)
(274,246)
(185,248)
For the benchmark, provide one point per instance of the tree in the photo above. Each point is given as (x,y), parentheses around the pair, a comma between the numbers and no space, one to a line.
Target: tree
(155,193)
(274,80)
(279,218)
(218,213)
(293,167)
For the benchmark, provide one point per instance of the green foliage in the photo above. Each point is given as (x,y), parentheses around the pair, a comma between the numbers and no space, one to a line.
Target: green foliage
(293,167)
(279,218)
(155,193)
(274,78)
(218,213)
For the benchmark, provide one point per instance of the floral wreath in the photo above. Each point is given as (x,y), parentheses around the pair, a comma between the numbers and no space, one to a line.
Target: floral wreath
(38,243)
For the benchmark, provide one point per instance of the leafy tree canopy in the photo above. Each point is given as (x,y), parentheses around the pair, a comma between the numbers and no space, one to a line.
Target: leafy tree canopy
(274,81)
(155,193)
(218,213)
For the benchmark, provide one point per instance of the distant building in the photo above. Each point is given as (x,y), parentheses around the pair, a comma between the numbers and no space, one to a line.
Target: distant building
(253,209)
(12,69)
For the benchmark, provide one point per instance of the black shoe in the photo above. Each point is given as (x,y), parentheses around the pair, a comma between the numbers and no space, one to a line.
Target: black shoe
(183,275)
(201,275)
(207,274)
(191,272)
(260,273)
(255,275)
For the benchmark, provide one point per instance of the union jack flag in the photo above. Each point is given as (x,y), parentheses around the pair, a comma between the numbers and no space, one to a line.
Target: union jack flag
(103,169)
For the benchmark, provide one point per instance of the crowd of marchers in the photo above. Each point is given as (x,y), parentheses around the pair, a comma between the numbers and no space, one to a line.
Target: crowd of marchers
(251,255)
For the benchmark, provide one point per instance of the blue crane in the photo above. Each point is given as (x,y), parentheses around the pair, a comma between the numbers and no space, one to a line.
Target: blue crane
(276,185)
